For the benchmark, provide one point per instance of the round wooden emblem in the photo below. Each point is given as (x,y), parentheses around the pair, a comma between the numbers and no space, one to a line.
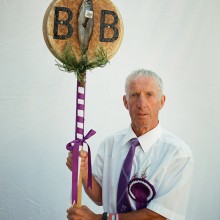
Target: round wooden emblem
(61,26)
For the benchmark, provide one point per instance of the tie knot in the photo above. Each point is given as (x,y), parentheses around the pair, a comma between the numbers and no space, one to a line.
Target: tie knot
(134,142)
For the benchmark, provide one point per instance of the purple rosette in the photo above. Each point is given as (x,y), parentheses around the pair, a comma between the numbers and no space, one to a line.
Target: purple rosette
(141,191)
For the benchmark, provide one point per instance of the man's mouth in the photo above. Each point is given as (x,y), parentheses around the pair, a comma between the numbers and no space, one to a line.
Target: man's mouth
(142,114)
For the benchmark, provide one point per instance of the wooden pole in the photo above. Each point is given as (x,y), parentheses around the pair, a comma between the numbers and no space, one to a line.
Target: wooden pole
(79,131)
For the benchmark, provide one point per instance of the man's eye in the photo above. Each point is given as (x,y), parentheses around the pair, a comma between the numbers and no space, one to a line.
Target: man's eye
(149,94)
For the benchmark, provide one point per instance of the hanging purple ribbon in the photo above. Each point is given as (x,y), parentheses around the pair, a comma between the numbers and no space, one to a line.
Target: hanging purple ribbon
(74,147)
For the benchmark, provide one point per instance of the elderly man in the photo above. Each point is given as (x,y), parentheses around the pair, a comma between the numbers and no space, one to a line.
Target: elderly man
(143,172)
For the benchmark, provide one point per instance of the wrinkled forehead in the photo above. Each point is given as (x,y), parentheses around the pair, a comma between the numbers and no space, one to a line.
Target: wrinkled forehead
(143,83)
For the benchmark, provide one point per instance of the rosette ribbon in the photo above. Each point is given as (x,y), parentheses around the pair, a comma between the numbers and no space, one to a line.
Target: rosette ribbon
(74,147)
(142,191)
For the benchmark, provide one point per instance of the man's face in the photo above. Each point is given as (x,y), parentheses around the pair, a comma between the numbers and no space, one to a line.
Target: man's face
(143,102)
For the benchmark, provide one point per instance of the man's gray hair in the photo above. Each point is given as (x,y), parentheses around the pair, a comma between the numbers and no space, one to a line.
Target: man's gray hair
(144,73)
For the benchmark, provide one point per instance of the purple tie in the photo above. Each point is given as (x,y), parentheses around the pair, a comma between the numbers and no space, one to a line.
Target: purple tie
(123,204)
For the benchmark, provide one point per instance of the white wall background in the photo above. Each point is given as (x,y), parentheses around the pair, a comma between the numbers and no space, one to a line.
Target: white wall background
(178,39)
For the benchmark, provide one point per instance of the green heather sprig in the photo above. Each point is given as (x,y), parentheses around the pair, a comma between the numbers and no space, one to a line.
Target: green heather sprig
(70,63)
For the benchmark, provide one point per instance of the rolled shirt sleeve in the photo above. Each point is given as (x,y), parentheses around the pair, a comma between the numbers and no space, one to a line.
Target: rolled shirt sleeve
(172,194)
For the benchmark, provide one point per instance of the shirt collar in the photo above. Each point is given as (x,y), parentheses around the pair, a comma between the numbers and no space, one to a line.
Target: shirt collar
(146,140)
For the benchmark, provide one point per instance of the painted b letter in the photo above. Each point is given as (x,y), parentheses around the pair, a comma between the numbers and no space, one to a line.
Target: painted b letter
(103,25)
(58,22)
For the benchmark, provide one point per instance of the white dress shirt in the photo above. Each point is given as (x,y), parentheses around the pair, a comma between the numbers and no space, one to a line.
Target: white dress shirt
(168,161)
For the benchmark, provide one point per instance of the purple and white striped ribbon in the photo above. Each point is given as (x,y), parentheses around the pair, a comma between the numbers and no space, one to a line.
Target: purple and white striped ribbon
(80,139)
(80,110)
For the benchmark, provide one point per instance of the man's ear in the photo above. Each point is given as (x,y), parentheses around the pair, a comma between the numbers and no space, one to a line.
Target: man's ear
(125,101)
(162,101)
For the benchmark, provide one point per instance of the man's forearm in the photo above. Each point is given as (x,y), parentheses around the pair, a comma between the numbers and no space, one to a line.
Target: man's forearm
(142,214)
(95,193)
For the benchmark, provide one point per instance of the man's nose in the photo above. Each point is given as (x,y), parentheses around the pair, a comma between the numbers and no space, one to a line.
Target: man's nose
(141,102)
